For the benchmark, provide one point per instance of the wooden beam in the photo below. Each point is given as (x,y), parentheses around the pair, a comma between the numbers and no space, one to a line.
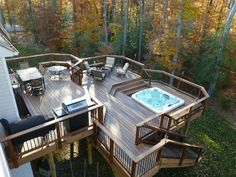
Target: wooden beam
(51,165)
(90,150)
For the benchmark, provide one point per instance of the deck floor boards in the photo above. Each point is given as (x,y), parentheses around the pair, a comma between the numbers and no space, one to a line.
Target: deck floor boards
(122,113)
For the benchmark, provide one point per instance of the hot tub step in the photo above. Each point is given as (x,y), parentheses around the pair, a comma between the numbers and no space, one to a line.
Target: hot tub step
(135,88)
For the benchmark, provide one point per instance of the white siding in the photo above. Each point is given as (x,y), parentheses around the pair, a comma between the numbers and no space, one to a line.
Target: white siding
(4,169)
(9,111)
(8,108)
(7,53)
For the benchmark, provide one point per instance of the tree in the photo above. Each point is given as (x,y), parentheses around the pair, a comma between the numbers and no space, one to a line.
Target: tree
(178,33)
(223,42)
(125,26)
(141,4)
(105,21)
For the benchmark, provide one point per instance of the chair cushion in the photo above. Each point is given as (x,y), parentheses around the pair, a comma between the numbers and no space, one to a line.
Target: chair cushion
(110,61)
(120,71)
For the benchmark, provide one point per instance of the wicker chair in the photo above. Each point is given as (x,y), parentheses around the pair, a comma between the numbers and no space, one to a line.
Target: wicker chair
(98,74)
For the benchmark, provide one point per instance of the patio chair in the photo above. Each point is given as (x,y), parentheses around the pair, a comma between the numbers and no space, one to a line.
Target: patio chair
(122,71)
(88,68)
(37,87)
(24,65)
(98,74)
(110,61)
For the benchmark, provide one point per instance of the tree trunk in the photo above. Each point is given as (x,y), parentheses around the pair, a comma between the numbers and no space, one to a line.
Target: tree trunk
(165,15)
(76,35)
(105,21)
(222,44)
(141,29)
(205,26)
(125,26)
(33,21)
(178,33)
(112,16)
(8,12)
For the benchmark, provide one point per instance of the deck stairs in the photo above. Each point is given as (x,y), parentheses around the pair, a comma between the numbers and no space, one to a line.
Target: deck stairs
(129,86)
(180,152)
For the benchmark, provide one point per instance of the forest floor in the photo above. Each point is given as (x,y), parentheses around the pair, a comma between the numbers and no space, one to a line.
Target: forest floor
(217,135)
(230,115)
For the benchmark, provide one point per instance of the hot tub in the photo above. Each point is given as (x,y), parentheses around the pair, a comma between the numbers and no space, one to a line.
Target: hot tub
(157,100)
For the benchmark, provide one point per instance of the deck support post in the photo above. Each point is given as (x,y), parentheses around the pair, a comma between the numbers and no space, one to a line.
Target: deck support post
(71,151)
(51,165)
(90,150)
(78,142)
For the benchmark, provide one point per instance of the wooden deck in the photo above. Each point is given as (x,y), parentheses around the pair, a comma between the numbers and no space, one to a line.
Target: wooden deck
(122,113)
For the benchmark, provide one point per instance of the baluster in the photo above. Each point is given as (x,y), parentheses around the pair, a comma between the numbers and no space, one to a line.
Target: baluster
(111,151)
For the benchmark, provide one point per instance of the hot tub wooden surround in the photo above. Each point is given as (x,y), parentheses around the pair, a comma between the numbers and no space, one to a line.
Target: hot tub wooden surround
(135,140)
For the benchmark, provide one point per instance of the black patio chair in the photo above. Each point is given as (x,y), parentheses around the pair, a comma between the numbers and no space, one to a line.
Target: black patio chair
(37,87)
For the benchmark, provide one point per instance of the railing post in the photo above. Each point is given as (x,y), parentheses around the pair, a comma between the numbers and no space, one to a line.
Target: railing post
(80,76)
(162,120)
(12,153)
(182,155)
(199,93)
(100,114)
(187,121)
(133,169)
(198,157)
(137,139)
(111,150)
(158,155)
(58,135)
(178,84)
(169,122)
(204,106)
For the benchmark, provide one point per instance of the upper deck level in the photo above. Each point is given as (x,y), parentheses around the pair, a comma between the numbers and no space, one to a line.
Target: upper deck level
(118,123)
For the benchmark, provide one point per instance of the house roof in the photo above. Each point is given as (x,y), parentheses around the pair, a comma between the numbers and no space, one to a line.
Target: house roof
(4,40)
(4,32)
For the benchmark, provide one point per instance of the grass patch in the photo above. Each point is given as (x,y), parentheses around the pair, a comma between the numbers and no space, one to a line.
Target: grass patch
(217,136)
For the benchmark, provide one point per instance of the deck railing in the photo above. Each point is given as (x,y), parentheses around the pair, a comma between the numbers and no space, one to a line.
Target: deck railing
(137,166)
(57,136)
(181,116)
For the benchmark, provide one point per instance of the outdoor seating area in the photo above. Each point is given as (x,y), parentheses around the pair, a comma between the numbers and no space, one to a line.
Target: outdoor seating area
(117,121)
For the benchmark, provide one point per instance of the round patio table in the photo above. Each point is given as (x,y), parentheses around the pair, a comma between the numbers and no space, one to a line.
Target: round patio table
(56,70)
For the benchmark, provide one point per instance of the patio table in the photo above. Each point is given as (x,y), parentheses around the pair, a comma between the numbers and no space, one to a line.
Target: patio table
(56,70)
(25,76)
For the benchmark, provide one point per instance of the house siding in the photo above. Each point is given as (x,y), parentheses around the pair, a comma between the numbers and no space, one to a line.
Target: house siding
(8,107)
